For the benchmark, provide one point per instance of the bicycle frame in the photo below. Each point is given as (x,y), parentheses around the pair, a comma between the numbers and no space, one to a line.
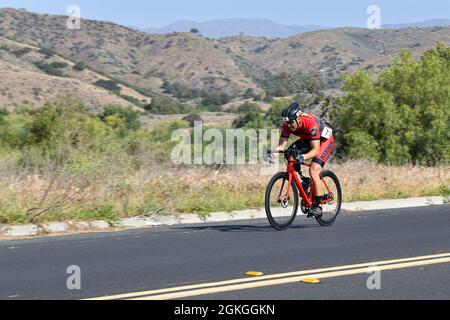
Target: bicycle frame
(294,177)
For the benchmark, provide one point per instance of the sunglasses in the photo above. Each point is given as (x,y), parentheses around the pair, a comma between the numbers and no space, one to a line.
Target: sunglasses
(290,123)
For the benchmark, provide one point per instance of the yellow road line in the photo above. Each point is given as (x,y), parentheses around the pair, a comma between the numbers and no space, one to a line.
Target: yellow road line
(201,292)
(245,283)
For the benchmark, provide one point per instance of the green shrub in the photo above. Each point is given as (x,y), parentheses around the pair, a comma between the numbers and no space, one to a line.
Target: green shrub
(110,85)
(165,105)
(21,52)
(51,68)
(248,94)
(257,120)
(268,98)
(80,66)
(249,107)
(192,118)
(3,112)
(214,102)
(129,117)
(131,99)
(401,117)
(180,91)
(47,52)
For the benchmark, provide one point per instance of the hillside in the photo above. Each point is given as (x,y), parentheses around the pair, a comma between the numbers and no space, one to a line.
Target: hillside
(31,75)
(230,65)
(333,52)
(141,59)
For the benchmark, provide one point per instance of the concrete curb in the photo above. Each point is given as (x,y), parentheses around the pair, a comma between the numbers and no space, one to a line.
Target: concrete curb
(7,231)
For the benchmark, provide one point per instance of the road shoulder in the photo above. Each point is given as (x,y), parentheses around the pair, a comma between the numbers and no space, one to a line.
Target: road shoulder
(9,232)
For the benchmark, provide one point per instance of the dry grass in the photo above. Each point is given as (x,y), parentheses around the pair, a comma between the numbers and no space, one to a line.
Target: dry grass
(367,181)
(164,190)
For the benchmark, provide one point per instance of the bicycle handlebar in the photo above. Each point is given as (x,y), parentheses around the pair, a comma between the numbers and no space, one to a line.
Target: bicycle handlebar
(267,154)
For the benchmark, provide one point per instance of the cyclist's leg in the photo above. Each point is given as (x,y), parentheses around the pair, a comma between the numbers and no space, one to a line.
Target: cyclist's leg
(326,149)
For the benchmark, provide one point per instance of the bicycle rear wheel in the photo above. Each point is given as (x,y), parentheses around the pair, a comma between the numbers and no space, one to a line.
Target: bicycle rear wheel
(332,206)
(281,209)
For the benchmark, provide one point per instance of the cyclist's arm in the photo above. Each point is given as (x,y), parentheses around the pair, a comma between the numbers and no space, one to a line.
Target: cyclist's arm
(282,144)
(315,151)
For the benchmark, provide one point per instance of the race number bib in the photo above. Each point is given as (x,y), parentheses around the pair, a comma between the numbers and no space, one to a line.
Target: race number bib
(327,132)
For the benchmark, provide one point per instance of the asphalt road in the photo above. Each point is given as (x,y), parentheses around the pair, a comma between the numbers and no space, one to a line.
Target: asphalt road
(191,255)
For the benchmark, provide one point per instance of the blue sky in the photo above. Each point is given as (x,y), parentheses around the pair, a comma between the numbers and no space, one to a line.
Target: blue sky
(157,13)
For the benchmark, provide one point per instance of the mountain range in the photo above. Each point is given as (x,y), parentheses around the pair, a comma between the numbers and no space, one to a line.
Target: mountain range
(233,27)
(265,28)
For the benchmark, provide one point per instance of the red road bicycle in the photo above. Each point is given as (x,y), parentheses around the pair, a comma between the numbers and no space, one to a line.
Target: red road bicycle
(282,195)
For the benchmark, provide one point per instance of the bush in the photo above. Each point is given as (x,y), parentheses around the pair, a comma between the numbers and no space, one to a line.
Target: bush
(64,133)
(403,116)
(21,52)
(3,112)
(268,98)
(110,85)
(51,68)
(180,91)
(130,119)
(248,94)
(164,105)
(248,107)
(47,52)
(132,100)
(213,102)
(192,118)
(58,65)
(80,66)
(161,138)
(258,97)
(256,120)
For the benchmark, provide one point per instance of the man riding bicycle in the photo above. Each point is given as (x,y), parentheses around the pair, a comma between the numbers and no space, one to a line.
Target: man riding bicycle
(316,143)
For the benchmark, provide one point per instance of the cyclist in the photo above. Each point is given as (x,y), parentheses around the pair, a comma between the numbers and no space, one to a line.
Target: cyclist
(316,143)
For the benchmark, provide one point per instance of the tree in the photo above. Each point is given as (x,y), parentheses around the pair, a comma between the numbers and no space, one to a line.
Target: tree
(195,31)
(402,116)
(192,118)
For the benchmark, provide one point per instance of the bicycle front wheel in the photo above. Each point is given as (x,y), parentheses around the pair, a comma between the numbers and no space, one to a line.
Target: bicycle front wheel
(281,208)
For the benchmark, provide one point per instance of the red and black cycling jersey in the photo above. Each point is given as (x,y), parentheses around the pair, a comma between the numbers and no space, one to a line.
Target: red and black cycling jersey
(310,128)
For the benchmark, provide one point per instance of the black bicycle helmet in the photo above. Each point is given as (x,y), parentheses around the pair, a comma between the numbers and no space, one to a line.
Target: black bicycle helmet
(292,112)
